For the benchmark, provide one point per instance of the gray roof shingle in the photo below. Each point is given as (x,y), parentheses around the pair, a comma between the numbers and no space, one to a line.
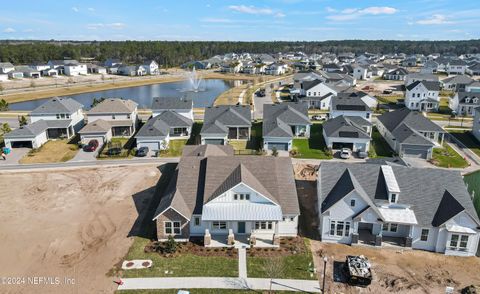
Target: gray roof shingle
(278,118)
(58,105)
(346,127)
(431,86)
(217,119)
(160,125)
(171,103)
(114,105)
(349,103)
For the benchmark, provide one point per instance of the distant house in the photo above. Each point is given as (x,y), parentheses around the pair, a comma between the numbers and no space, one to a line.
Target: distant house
(96,69)
(120,114)
(456,67)
(226,122)
(361,72)
(349,105)
(111,62)
(456,83)
(28,72)
(60,64)
(317,102)
(371,101)
(409,133)
(353,132)
(376,205)
(151,67)
(15,74)
(75,69)
(398,74)
(464,103)
(49,72)
(414,77)
(6,67)
(430,67)
(332,67)
(409,62)
(276,69)
(127,70)
(423,96)
(3,78)
(58,118)
(197,64)
(284,122)
(38,66)
(181,106)
(473,70)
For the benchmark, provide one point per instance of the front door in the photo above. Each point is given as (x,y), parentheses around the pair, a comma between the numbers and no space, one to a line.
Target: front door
(241,227)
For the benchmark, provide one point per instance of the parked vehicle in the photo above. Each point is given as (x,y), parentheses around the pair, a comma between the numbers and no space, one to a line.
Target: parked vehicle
(261,93)
(357,270)
(91,146)
(319,117)
(142,151)
(362,154)
(114,151)
(345,153)
(387,91)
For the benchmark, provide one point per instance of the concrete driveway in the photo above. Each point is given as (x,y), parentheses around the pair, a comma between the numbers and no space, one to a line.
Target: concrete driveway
(86,156)
(15,155)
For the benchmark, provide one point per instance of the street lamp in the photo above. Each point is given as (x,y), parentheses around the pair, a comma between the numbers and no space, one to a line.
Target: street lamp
(325,259)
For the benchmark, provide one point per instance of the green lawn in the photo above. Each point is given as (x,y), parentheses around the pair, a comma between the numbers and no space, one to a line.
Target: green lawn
(314,147)
(126,144)
(201,291)
(185,265)
(389,99)
(253,146)
(52,151)
(468,140)
(175,148)
(296,265)
(473,182)
(378,146)
(447,157)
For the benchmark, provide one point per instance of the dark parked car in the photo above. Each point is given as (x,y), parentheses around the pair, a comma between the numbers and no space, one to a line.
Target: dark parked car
(142,151)
(114,151)
(91,146)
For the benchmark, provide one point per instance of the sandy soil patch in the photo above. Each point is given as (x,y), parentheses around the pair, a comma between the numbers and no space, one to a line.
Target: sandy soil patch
(70,224)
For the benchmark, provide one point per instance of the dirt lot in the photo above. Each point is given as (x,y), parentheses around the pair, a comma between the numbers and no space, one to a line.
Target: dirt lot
(397,271)
(70,224)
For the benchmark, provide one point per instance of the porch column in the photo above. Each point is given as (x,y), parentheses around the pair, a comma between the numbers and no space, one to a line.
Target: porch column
(409,239)
(207,238)
(443,137)
(238,133)
(68,133)
(276,238)
(355,235)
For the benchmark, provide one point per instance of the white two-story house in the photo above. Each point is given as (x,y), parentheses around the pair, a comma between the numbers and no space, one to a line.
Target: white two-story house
(464,103)
(423,96)
(151,67)
(379,205)
(229,200)
(350,105)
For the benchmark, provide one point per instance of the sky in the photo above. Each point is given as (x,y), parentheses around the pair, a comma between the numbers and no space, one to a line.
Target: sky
(240,20)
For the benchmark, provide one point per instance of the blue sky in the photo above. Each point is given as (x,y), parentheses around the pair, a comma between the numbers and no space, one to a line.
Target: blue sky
(240,20)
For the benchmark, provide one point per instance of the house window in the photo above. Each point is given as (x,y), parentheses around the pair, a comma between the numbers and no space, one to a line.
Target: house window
(339,229)
(241,196)
(58,116)
(67,116)
(247,196)
(62,115)
(219,225)
(424,236)
(113,116)
(292,219)
(196,221)
(458,242)
(172,228)
(177,131)
(263,225)
(388,227)
(393,198)
(367,115)
(128,116)
(352,202)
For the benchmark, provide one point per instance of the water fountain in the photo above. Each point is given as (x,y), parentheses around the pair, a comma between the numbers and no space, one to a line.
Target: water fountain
(194,82)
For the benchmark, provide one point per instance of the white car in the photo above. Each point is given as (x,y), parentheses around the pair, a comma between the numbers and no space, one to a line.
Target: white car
(345,153)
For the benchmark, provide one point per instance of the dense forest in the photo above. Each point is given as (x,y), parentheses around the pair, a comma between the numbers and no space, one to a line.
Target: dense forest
(173,53)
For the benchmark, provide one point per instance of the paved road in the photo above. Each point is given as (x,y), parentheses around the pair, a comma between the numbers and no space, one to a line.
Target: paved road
(92,163)
(309,286)
(260,101)
(11,121)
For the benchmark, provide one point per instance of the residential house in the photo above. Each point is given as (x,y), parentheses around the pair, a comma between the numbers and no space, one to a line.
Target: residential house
(456,83)
(15,74)
(361,72)
(284,122)
(423,96)
(60,64)
(28,72)
(464,103)
(332,67)
(120,114)
(376,205)
(409,133)
(229,200)
(6,67)
(151,67)
(317,102)
(370,100)
(276,69)
(181,106)
(349,105)
(414,77)
(429,67)
(58,118)
(456,67)
(126,70)
(226,122)
(473,87)
(39,66)
(3,78)
(112,62)
(398,74)
(95,69)
(50,72)
(474,69)
(353,132)
(476,124)
(75,69)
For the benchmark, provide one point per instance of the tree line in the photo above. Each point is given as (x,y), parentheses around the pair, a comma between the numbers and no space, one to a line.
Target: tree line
(174,53)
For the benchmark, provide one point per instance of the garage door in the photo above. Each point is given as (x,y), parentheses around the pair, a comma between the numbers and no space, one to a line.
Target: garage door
(100,139)
(278,146)
(417,153)
(340,145)
(151,145)
(22,144)
(214,141)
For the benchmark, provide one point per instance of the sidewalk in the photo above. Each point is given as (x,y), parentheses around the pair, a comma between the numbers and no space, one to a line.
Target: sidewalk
(309,286)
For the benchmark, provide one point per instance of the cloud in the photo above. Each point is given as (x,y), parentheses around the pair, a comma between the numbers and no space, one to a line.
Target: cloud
(91,9)
(251,9)
(114,25)
(75,9)
(436,19)
(353,13)
(9,30)
(279,14)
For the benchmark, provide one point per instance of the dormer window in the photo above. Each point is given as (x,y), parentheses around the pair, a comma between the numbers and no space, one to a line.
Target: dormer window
(467,100)
(241,196)
(475,100)
(352,203)
(393,198)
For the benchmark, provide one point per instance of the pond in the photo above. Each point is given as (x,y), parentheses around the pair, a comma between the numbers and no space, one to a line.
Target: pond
(143,95)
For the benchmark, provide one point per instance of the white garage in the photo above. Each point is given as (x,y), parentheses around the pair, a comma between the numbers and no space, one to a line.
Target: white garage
(99,130)
(151,145)
(28,136)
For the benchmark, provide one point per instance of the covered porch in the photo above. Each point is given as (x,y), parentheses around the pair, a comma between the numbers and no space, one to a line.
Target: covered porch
(122,128)
(260,240)
(239,133)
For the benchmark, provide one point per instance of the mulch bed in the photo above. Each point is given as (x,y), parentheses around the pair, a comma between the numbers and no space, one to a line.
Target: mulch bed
(195,248)
(288,246)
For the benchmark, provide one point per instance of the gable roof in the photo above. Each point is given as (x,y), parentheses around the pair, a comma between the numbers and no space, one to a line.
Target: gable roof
(413,119)
(447,208)
(346,127)
(421,188)
(30,130)
(207,150)
(97,126)
(277,118)
(307,85)
(114,105)
(58,105)
(429,85)
(217,119)
(160,125)
(397,71)
(348,103)
(172,103)
(464,95)
(460,79)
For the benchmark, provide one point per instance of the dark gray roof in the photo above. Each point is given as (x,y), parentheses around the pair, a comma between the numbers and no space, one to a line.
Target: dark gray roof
(114,105)
(431,86)
(346,127)
(97,126)
(421,188)
(398,71)
(207,150)
(160,125)
(171,103)
(406,135)
(414,119)
(58,105)
(448,208)
(423,76)
(349,103)
(460,79)
(307,85)
(278,118)
(472,95)
(457,62)
(5,64)
(38,127)
(199,179)
(217,119)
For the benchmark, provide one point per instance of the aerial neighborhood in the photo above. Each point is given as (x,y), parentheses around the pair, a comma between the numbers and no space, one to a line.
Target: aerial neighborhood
(344,152)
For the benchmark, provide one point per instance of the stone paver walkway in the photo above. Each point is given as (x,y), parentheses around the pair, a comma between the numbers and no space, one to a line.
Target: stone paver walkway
(308,286)
(242,263)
